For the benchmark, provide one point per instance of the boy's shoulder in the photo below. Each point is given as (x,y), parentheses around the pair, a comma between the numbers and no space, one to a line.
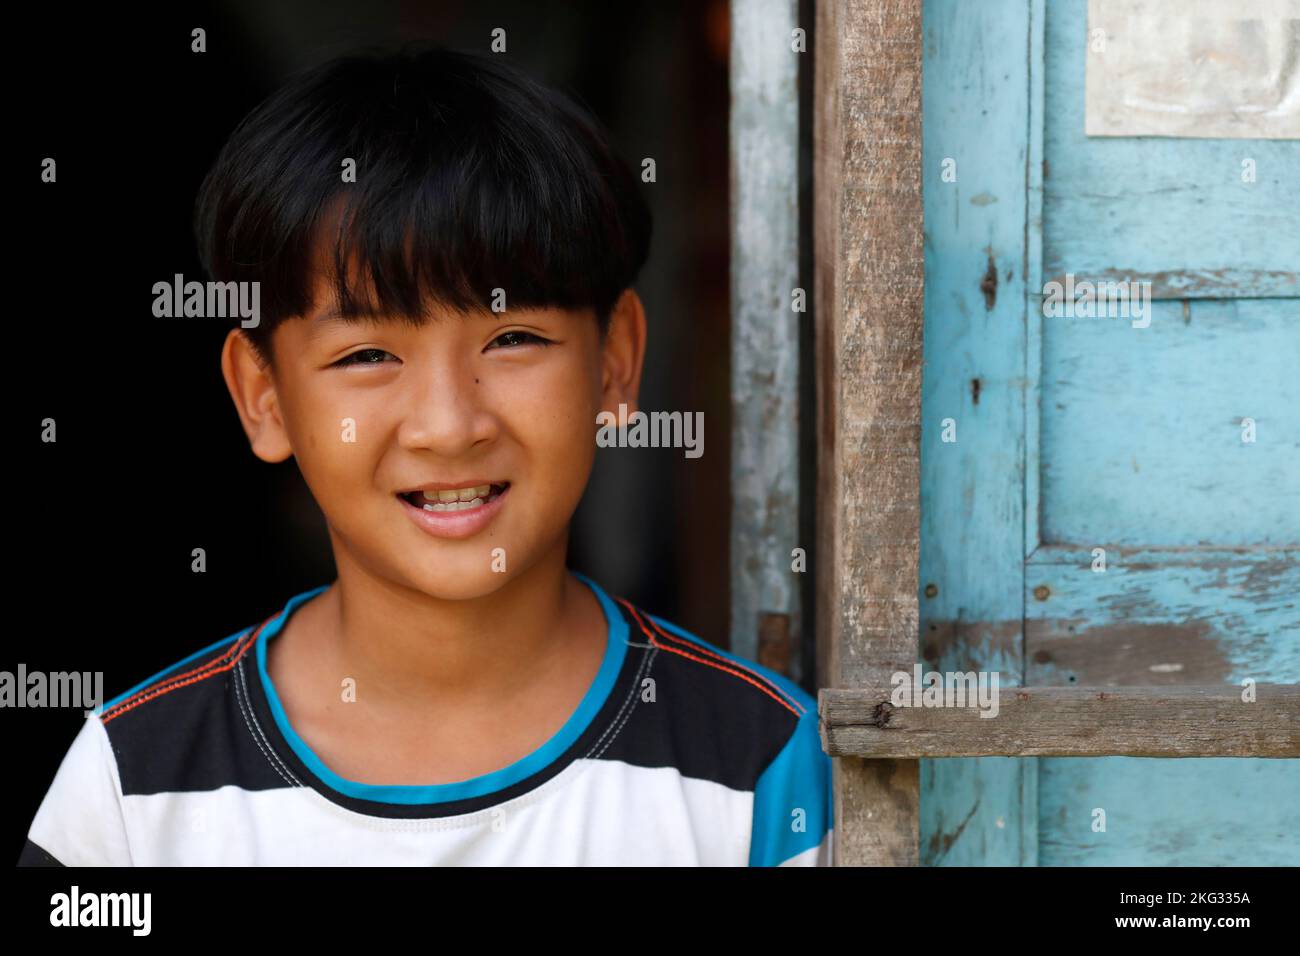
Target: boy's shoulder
(720,717)
(171,732)
(724,718)
(177,729)
(192,670)
(211,683)
(732,689)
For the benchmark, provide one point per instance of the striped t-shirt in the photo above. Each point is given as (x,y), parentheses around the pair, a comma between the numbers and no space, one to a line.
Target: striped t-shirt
(679,754)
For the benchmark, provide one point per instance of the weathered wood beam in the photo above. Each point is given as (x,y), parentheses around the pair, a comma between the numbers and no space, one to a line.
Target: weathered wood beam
(766,618)
(869,296)
(1212,721)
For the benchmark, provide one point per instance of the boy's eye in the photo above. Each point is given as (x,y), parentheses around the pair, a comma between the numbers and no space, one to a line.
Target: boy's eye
(364,357)
(517,337)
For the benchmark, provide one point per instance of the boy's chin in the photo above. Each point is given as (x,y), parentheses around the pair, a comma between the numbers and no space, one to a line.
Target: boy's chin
(458,584)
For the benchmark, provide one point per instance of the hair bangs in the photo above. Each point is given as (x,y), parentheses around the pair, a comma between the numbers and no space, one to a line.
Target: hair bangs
(414,180)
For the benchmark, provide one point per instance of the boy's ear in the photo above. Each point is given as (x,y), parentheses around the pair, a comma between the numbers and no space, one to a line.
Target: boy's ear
(624,353)
(253,391)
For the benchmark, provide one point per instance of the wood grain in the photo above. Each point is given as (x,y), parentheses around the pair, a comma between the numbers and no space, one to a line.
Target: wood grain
(1183,721)
(1162,616)
(979,105)
(764,137)
(869,296)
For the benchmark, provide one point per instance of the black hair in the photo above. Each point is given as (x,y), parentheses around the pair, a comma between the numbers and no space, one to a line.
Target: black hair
(470,175)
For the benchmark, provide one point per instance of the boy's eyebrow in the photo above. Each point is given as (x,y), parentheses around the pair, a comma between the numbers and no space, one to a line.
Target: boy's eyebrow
(322,320)
(332,314)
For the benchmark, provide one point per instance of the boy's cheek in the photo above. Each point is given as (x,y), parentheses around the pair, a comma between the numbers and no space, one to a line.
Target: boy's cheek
(570,422)
(570,448)
(329,429)
(334,461)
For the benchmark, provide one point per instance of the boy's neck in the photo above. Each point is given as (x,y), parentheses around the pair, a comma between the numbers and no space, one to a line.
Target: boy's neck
(410,651)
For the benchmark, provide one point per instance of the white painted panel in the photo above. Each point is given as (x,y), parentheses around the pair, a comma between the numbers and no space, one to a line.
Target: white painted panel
(1193,68)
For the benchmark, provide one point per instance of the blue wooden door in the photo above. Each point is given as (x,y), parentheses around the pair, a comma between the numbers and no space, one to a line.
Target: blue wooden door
(1106,500)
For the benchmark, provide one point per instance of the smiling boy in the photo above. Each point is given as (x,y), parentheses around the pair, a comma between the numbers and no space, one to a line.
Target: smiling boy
(439,336)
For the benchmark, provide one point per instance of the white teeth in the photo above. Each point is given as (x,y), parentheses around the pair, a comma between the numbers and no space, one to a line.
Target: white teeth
(454,505)
(450,495)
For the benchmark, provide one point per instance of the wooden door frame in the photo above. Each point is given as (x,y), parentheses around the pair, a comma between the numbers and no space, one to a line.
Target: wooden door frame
(869,297)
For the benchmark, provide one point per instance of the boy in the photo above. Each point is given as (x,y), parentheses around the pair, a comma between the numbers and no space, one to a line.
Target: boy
(438,332)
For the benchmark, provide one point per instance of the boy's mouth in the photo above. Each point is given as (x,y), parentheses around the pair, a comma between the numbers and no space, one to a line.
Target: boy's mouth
(447,500)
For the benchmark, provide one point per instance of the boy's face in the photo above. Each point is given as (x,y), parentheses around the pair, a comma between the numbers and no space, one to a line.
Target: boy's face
(378,412)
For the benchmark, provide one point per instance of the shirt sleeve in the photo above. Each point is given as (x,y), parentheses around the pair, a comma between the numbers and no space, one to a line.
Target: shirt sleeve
(793,803)
(80,821)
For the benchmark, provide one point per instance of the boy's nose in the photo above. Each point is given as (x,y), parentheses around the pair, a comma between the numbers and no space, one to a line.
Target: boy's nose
(443,411)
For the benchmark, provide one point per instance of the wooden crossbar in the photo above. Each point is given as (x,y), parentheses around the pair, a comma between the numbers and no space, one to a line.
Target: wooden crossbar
(1212,721)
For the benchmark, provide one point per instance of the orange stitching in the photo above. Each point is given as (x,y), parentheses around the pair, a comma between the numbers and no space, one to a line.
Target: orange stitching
(233,648)
(764,687)
(761,686)
(168,687)
(705,650)
(171,684)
